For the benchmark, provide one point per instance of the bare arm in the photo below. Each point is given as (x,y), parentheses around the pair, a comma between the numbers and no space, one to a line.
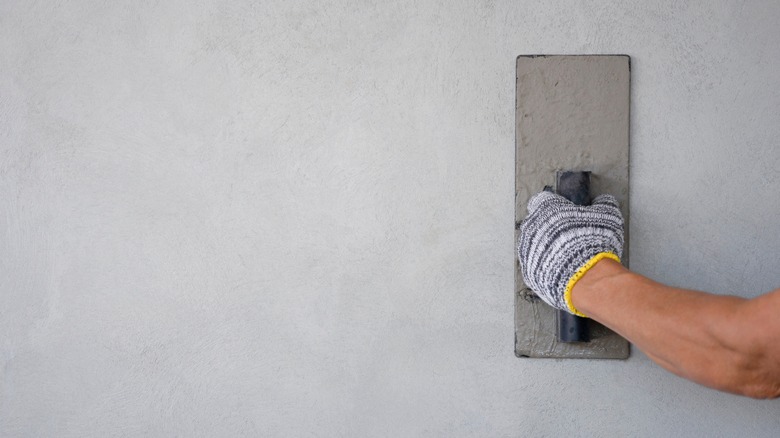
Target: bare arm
(724,342)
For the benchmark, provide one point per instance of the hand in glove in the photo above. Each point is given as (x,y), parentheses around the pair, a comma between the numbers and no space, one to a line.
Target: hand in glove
(559,241)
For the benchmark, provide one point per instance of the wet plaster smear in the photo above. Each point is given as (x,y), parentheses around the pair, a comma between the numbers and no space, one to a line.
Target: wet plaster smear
(289,218)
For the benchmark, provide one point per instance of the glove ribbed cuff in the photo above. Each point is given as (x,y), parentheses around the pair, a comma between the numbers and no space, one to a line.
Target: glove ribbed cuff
(579,273)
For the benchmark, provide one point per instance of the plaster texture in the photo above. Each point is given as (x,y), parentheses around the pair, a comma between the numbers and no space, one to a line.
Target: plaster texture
(290,218)
(572,113)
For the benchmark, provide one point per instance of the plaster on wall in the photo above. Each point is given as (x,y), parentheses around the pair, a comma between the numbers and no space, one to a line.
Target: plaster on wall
(289,218)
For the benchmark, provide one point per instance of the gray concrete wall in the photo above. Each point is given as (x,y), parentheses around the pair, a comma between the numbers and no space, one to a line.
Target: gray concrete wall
(289,218)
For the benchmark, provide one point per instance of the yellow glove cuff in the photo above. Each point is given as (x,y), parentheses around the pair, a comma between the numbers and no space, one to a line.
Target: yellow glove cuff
(580,272)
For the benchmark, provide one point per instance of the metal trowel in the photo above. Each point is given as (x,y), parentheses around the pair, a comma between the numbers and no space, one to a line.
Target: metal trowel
(572,136)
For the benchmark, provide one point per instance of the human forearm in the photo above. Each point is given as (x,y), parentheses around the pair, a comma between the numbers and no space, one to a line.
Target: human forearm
(696,335)
(729,343)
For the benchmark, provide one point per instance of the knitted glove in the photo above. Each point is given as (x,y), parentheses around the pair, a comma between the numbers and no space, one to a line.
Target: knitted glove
(559,241)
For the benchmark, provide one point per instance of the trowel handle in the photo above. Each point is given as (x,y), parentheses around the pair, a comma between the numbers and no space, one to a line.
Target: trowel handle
(574,186)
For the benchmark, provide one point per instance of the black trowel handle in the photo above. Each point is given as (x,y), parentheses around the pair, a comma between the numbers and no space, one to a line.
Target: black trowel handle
(574,186)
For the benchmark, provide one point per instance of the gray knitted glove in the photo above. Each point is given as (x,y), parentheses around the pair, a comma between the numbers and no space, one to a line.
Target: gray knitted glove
(559,241)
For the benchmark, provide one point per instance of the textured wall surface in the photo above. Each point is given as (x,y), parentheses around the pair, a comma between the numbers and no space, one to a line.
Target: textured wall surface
(290,218)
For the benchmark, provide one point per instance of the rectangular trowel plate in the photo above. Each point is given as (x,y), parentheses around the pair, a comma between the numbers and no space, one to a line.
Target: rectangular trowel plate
(571,113)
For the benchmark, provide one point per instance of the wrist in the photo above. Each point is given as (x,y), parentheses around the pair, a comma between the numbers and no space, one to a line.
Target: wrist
(593,282)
